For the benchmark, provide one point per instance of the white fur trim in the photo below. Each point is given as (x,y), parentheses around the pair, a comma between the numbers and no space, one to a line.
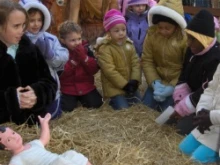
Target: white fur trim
(165,11)
(189,105)
(27,4)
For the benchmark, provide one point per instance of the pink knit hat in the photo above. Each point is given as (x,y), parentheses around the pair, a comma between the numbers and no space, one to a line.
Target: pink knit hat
(112,18)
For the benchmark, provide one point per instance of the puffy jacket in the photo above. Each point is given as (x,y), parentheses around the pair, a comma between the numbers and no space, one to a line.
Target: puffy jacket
(78,76)
(119,64)
(162,58)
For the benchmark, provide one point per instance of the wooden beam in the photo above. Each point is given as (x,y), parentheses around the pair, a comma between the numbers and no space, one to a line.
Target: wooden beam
(193,10)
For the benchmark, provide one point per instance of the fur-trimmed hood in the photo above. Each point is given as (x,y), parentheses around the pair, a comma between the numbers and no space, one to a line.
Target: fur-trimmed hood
(169,8)
(28,4)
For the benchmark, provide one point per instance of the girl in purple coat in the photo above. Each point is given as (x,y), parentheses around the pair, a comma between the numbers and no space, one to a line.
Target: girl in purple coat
(137,24)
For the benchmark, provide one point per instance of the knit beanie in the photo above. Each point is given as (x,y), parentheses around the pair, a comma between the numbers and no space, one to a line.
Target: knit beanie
(172,9)
(28,4)
(203,23)
(112,18)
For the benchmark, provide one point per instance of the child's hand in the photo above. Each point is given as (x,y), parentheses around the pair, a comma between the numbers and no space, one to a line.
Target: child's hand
(45,48)
(45,119)
(80,53)
(26,97)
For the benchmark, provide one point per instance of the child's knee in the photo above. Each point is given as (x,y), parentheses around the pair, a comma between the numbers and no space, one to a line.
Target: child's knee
(189,144)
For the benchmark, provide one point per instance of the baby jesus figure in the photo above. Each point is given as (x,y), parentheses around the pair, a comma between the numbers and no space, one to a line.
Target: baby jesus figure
(34,152)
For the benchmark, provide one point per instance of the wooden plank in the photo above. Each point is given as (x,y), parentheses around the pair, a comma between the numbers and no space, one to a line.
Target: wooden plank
(193,10)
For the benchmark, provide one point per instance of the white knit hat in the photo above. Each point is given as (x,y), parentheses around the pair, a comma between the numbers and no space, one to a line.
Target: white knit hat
(28,4)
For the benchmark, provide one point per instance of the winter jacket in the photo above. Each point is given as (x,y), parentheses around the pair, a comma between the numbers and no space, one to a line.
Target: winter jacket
(60,55)
(136,29)
(119,64)
(198,70)
(210,100)
(78,76)
(28,68)
(162,58)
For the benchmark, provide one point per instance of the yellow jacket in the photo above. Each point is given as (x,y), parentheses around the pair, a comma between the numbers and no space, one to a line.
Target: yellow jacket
(119,64)
(162,58)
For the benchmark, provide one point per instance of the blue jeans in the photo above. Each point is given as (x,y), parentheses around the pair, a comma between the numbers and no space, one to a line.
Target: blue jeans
(198,152)
(148,100)
(119,102)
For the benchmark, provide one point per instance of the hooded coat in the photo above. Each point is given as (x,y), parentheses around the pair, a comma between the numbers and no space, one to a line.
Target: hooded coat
(119,64)
(28,68)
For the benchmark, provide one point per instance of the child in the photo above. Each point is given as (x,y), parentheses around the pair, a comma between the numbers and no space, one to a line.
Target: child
(201,60)
(55,55)
(137,24)
(163,53)
(34,151)
(77,79)
(202,144)
(26,85)
(120,69)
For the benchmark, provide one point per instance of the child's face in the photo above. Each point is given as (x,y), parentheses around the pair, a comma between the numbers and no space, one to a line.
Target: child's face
(138,9)
(35,22)
(11,140)
(118,33)
(166,29)
(12,31)
(194,44)
(72,40)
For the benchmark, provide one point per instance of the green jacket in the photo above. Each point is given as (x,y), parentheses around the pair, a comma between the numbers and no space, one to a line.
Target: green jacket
(162,58)
(119,64)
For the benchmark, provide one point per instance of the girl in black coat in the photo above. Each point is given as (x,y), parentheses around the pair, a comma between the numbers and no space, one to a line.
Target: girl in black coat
(26,85)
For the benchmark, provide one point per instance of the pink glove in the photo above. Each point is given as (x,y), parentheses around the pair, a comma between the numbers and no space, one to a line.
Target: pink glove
(185,107)
(180,92)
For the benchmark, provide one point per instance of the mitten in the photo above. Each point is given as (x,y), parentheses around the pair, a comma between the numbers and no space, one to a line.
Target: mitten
(134,83)
(167,91)
(157,85)
(159,98)
(185,107)
(80,53)
(44,46)
(202,120)
(129,89)
(180,92)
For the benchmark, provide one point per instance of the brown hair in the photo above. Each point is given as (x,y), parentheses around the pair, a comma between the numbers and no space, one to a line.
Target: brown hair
(33,11)
(6,7)
(68,27)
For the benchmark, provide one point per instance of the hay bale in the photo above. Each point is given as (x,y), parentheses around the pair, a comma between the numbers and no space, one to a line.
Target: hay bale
(110,137)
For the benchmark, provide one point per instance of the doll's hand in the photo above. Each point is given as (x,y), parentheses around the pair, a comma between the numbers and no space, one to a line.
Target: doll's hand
(45,119)
(26,97)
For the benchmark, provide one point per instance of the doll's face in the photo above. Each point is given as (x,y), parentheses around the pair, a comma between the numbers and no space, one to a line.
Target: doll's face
(35,22)
(72,40)
(166,29)
(118,33)
(138,9)
(11,139)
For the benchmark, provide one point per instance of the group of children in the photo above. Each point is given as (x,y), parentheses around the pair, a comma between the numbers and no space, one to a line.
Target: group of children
(178,62)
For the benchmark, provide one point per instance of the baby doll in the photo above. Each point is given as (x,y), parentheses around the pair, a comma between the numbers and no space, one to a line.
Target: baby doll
(34,151)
